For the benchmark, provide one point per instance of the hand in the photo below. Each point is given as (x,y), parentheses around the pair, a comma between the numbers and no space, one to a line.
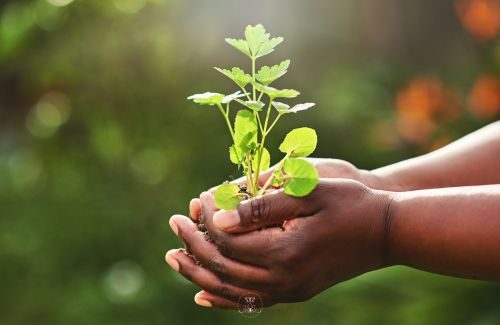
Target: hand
(326,167)
(332,235)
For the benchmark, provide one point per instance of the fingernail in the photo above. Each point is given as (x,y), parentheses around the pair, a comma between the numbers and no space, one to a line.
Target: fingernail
(171,260)
(226,219)
(173,225)
(201,301)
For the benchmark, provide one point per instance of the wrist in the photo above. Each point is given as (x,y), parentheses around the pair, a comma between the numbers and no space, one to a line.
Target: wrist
(380,179)
(385,215)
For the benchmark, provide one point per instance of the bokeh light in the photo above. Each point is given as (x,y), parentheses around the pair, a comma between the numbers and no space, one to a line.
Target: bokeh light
(481,18)
(484,98)
(48,114)
(123,281)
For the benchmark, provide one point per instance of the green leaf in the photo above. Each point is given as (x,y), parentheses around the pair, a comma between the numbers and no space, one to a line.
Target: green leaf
(267,75)
(278,179)
(265,161)
(281,107)
(227,196)
(232,97)
(236,155)
(301,107)
(237,75)
(239,44)
(258,41)
(269,46)
(252,104)
(299,142)
(255,37)
(207,98)
(284,108)
(275,93)
(245,130)
(302,177)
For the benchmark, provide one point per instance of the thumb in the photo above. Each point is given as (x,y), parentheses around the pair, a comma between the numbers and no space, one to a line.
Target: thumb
(271,209)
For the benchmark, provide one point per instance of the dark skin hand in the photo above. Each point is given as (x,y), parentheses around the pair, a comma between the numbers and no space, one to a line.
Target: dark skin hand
(451,231)
(268,262)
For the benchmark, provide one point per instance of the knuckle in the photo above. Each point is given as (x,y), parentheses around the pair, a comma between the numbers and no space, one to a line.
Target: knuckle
(227,293)
(222,247)
(260,210)
(217,267)
(187,238)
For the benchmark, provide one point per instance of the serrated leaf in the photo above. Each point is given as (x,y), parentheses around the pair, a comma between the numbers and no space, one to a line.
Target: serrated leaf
(269,46)
(255,36)
(245,130)
(276,93)
(252,104)
(265,161)
(299,142)
(227,196)
(302,177)
(267,75)
(258,41)
(207,98)
(232,97)
(237,75)
(281,107)
(239,44)
(301,107)
(285,93)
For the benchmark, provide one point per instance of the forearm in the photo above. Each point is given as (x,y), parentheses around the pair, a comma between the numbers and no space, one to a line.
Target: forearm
(454,231)
(471,160)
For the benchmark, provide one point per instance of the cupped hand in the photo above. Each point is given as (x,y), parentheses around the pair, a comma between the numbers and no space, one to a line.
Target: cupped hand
(332,235)
(326,167)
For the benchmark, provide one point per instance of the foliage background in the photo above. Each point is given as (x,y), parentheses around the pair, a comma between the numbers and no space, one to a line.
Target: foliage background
(98,146)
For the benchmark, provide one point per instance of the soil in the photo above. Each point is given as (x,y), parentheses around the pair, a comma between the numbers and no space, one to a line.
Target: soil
(203,228)
(201,223)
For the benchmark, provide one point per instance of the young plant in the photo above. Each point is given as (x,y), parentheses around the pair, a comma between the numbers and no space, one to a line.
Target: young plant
(255,120)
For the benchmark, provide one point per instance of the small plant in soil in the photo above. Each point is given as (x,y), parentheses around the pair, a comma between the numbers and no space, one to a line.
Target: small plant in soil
(260,108)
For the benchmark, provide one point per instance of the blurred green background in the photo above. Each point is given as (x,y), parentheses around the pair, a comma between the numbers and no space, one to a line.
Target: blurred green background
(98,145)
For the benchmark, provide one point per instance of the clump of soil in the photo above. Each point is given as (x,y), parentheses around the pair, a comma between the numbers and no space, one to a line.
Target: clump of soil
(204,230)
(201,222)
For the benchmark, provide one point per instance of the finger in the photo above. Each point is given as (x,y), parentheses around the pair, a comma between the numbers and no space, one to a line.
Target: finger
(207,280)
(267,210)
(253,248)
(206,253)
(206,299)
(195,209)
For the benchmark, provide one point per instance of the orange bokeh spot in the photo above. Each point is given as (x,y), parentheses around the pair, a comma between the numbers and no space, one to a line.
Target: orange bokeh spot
(484,98)
(421,106)
(480,18)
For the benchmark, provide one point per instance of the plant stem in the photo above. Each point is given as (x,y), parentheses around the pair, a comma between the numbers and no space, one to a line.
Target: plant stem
(246,93)
(226,117)
(253,78)
(271,178)
(274,123)
(249,174)
(262,143)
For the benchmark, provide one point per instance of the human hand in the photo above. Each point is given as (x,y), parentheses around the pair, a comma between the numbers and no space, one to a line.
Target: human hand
(332,235)
(326,167)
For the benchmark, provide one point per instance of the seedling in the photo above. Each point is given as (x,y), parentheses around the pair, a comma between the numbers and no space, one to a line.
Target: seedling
(254,121)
